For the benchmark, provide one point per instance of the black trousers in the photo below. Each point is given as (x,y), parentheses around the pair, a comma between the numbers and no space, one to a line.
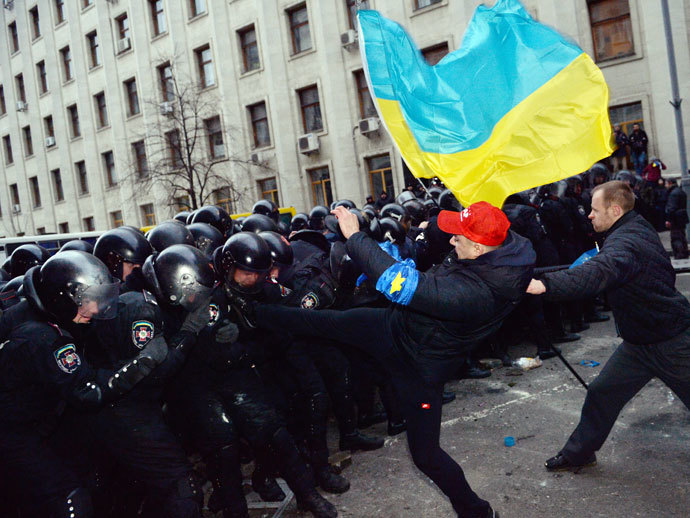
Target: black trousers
(629,369)
(370,330)
(679,242)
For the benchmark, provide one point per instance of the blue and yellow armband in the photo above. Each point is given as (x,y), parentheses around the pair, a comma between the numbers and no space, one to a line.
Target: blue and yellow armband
(399,282)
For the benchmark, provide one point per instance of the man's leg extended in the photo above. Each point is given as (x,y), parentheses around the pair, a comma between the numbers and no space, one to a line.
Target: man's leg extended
(671,363)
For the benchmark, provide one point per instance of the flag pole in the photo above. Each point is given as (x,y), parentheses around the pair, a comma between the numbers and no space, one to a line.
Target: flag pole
(427,191)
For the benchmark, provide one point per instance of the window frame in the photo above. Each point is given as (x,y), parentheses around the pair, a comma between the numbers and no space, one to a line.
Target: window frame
(381,172)
(101,110)
(82,177)
(244,46)
(349,4)
(88,224)
(94,49)
(172,139)
(212,133)
(59,11)
(253,120)
(109,168)
(132,96)
(35,193)
(433,50)
(293,27)
(58,189)
(273,194)
(417,7)
(49,126)
(322,182)
(193,8)
(14,37)
(167,86)
(67,66)
(148,218)
(201,66)
(7,149)
(75,126)
(303,107)
(28,141)
(35,23)
(3,103)
(116,221)
(123,26)
(611,20)
(42,77)
(360,78)
(21,87)
(140,159)
(158,22)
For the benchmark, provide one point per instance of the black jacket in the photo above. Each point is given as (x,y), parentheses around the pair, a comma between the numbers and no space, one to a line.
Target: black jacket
(676,207)
(456,304)
(636,273)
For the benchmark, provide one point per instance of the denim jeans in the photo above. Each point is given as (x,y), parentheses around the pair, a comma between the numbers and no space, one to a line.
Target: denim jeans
(639,161)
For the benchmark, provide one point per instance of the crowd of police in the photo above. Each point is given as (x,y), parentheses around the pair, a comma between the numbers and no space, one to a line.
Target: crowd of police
(119,361)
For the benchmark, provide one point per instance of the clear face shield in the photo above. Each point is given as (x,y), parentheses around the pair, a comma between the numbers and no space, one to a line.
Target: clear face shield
(246,281)
(98,301)
(192,293)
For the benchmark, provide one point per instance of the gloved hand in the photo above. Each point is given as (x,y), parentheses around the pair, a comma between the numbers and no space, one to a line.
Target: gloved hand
(227,333)
(132,373)
(197,319)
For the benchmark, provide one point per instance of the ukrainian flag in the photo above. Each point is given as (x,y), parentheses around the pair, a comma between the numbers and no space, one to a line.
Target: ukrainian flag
(516,106)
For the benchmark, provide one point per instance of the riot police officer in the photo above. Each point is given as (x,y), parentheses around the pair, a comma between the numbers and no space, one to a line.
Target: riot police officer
(124,251)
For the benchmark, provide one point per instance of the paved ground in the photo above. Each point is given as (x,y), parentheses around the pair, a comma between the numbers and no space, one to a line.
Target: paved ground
(643,470)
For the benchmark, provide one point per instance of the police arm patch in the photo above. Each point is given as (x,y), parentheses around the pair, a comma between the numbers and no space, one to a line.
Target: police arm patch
(67,358)
(142,333)
(309,301)
(213,314)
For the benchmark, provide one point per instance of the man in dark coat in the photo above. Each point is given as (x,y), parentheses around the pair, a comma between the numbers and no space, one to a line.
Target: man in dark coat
(653,318)
(677,218)
(638,148)
(437,319)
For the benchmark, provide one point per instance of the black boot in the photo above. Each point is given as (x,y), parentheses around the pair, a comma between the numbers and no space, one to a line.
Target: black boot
(396,427)
(328,480)
(595,316)
(564,338)
(317,505)
(358,441)
(447,397)
(266,487)
(545,354)
(367,420)
(223,467)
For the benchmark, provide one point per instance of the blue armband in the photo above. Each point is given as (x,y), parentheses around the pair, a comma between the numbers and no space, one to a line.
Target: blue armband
(399,282)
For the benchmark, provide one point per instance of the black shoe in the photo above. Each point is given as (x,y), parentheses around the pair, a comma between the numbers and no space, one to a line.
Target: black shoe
(367,420)
(565,338)
(546,354)
(447,397)
(396,428)
(215,505)
(473,372)
(317,505)
(268,489)
(579,327)
(560,463)
(596,317)
(358,441)
(330,481)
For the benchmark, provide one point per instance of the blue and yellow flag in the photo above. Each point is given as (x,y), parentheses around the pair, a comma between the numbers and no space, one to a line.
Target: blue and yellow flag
(516,106)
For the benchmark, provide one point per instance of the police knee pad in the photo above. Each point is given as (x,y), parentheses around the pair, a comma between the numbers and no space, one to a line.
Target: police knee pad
(77,504)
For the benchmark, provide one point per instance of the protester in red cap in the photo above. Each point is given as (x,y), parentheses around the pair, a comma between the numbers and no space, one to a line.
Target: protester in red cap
(437,318)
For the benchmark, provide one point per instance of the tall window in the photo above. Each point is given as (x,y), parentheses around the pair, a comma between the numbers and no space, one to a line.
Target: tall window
(73,113)
(82,179)
(94,49)
(204,61)
(87,224)
(86,3)
(132,97)
(223,198)
(311,109)
(352,9)
(28,142)
(101,110)
(259,118)
(35,192)
(321,186)
(109,168)
(196,7)
(420,4)
(3,106)
(7,144)
(57,185)
(14,190)
(35,23)
(299,28)
(174,149)
(148,215)
(435,53)
(366,104)
(268,190)
(165,79)
(250,49)
(157,16)
(14,37)
(67,69)
(611,29)
(182,203)
(122,26)
(21,91)
(214,133)
(59,11)
(380,175)
(63,228)
(116,219)
(42,76)
(48,126)
(139,152)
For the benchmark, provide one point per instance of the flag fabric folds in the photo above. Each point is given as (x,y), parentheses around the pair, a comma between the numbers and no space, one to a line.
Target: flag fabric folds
(516,106)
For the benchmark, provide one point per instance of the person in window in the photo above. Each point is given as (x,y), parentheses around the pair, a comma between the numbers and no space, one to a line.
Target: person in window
(638,148)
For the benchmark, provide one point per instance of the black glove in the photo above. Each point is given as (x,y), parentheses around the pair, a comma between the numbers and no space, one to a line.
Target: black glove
(197,319)
(227,333)
(133,372)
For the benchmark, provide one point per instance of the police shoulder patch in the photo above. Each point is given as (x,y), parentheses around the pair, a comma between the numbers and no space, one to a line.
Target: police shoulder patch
(309,301)
(142,333)
(213,314)
(67,358)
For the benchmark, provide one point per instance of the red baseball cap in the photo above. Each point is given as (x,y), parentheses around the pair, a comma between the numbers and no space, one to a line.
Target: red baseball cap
(481,222)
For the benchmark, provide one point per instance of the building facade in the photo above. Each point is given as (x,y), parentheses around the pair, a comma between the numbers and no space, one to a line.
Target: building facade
(85,90)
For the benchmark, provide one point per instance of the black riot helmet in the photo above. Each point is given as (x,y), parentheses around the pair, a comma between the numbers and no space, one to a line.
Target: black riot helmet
(432,207)
(283,228)
(215,216)
(180,275)
(190,216)
(4,276)
(348,204)
(281,251)
(405,196)
(206,237)
(330,222)
(7,265)
(448,201)
(267,208)
(370,211)
(119,245)
(395,211)
(316,217)
(72,282)
(435,192)
(245,251)
(622,176)
(11,292)
(392,230)
(573,183)
(416,210)
(77,244)
(299,222)
(26,256)
(259,223)
(169,233)
(182,216)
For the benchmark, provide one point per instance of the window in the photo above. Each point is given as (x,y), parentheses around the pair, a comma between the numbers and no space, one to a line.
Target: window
(132,97)
(435,53)
(59,11)
(268,190)
(214,131)
(139,152)
(28,143)
(67,69)
(41,231)
(15,198)
(223,197)
(82,180)
(21,91)
(87,224)
(109,168)
(157,16)
(420,4)
(165,79)
(74,120)
(205,64)
(380,175)
(35,192)
(250,49)
(7,144)
(259,118)
(101,110)
(64,228)
(611,29)
(196,7)
(123,26)
(174,149)
(57,185)
(182,203)
(366,104)
(86,3)
(42,77)
(116,219)
(48,126)
(352,9)
(94,49)
(35,23)
(299,29)
(626,115)
(3,106)
(311,109)
(14,37)
(148,215)
(321,186)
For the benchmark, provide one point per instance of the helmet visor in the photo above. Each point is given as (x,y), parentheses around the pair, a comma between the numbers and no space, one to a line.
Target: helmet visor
(193,295)
(99,301)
